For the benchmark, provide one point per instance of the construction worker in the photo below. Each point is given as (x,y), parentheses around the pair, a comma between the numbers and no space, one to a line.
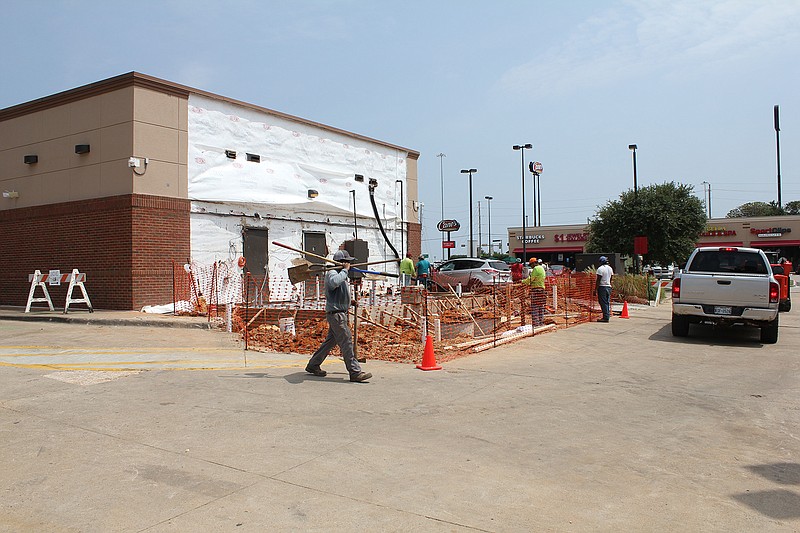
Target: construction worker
(516,271)
(337,306)
(538,295)
(407,269)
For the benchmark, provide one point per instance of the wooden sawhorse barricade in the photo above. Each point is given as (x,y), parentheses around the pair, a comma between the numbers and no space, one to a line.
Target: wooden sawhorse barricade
(55,277)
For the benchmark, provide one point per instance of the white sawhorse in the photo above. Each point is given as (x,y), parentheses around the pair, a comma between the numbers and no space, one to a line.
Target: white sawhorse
(37,279)
(76,279)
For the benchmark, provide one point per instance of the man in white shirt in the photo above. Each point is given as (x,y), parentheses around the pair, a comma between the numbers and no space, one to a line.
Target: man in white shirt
(603,286)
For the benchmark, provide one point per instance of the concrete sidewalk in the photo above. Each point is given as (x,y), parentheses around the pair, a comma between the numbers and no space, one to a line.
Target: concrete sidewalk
(601,427)
(81,315)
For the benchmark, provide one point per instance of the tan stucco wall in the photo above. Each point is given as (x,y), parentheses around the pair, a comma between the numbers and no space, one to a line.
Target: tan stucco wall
(103,121)
(160,134)
(116,124)
(412,188)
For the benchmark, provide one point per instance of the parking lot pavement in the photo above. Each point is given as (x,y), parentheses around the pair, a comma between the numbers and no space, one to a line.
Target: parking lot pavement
(602,427)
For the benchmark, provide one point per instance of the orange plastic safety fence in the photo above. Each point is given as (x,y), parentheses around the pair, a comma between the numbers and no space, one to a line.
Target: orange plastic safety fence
(199,289)
(392,326)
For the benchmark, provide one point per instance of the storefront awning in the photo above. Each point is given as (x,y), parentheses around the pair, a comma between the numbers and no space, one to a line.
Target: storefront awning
(774,244)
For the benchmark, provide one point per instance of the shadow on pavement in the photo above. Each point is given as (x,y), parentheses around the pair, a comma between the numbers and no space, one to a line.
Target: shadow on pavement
(781,473)
(706,334)
(778,504)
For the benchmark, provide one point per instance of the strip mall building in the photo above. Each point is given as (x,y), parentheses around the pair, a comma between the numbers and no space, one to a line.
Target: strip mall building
(559,244)
(122,177)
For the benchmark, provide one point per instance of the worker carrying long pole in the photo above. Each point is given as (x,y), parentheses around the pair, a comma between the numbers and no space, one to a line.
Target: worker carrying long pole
(337,306)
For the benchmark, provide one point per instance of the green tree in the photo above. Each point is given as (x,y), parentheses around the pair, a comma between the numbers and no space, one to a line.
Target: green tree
(757,209)
(670,215)
(792,208)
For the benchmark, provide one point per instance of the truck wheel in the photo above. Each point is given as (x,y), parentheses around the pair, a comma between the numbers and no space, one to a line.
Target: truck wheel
(769,333)
(786,305)
(680,326)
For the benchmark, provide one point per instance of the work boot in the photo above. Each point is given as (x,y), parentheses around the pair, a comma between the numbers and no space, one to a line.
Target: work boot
(360,377)
(317,371)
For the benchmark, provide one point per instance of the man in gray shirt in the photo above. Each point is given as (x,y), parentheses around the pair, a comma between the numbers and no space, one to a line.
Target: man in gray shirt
(337,304)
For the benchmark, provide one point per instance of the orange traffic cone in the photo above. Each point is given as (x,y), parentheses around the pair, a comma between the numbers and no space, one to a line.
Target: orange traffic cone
(428,357)
(624,310)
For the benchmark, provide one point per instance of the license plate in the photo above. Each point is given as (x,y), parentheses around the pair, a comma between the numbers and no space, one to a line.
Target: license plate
(722,310)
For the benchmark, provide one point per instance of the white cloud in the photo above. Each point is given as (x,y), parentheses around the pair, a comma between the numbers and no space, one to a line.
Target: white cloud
(671,37)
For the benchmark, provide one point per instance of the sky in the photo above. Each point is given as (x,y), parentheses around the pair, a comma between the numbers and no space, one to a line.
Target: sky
(691,82)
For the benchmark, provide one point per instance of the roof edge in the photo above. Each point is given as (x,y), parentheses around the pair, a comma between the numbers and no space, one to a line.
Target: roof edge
(137,79)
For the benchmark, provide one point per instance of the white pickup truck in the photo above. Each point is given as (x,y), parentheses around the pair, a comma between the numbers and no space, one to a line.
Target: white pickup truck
(726,286)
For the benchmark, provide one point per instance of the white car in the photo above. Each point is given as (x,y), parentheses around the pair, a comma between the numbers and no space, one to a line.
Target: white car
(471,272)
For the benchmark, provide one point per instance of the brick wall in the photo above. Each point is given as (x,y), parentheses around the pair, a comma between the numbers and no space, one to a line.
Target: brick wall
(125,245)
(415,239)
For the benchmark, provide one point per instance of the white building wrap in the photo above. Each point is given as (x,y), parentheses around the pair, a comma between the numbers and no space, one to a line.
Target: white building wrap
(230,192)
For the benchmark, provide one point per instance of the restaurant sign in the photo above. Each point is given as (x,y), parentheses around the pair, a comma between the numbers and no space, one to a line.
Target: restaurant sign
(531,239)
(570,237)
(448,225)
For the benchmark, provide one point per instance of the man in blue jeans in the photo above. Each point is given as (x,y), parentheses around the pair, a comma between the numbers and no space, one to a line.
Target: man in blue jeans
(337,305)
(603,286)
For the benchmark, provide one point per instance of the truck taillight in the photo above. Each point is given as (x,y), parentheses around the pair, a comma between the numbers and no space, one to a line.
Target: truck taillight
(774,292)
(728,249)
(676,288)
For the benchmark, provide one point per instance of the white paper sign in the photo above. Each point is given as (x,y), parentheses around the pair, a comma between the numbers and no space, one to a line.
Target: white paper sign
(54,277)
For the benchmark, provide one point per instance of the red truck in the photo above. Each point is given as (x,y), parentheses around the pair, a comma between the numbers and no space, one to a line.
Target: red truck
(781,268)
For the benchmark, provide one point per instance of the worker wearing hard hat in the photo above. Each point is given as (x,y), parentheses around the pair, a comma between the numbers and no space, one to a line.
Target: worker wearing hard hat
(538,295)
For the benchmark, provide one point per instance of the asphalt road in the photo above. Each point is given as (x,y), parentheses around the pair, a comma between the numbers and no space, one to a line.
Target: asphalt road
(602,427)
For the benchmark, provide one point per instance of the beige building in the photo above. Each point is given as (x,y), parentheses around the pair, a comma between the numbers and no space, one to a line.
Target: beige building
(559,244)
(122,177)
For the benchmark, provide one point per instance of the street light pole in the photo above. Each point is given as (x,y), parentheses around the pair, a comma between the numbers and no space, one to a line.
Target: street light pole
(633,147)
(470,171)
(709,201)
(489,203)
(522,148)
(778,148)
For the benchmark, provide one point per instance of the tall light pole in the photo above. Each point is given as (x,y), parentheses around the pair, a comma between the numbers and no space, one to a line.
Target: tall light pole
(470,171)
(778,148)
(441,157)
(522,148)
(489,202)
(632,147)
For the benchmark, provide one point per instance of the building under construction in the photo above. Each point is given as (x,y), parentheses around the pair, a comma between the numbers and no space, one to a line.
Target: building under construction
(126,177)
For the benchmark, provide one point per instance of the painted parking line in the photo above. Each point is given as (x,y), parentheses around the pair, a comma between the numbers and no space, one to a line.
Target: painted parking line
(130,359)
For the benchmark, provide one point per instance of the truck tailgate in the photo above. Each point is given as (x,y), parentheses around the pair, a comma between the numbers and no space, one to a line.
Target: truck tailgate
(740,290)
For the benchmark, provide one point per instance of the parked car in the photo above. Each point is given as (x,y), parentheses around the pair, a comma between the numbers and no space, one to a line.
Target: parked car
(472,273)
(557,270)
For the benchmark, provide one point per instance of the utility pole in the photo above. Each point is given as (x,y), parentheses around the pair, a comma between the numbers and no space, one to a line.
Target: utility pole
(480,239)
(441,157)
